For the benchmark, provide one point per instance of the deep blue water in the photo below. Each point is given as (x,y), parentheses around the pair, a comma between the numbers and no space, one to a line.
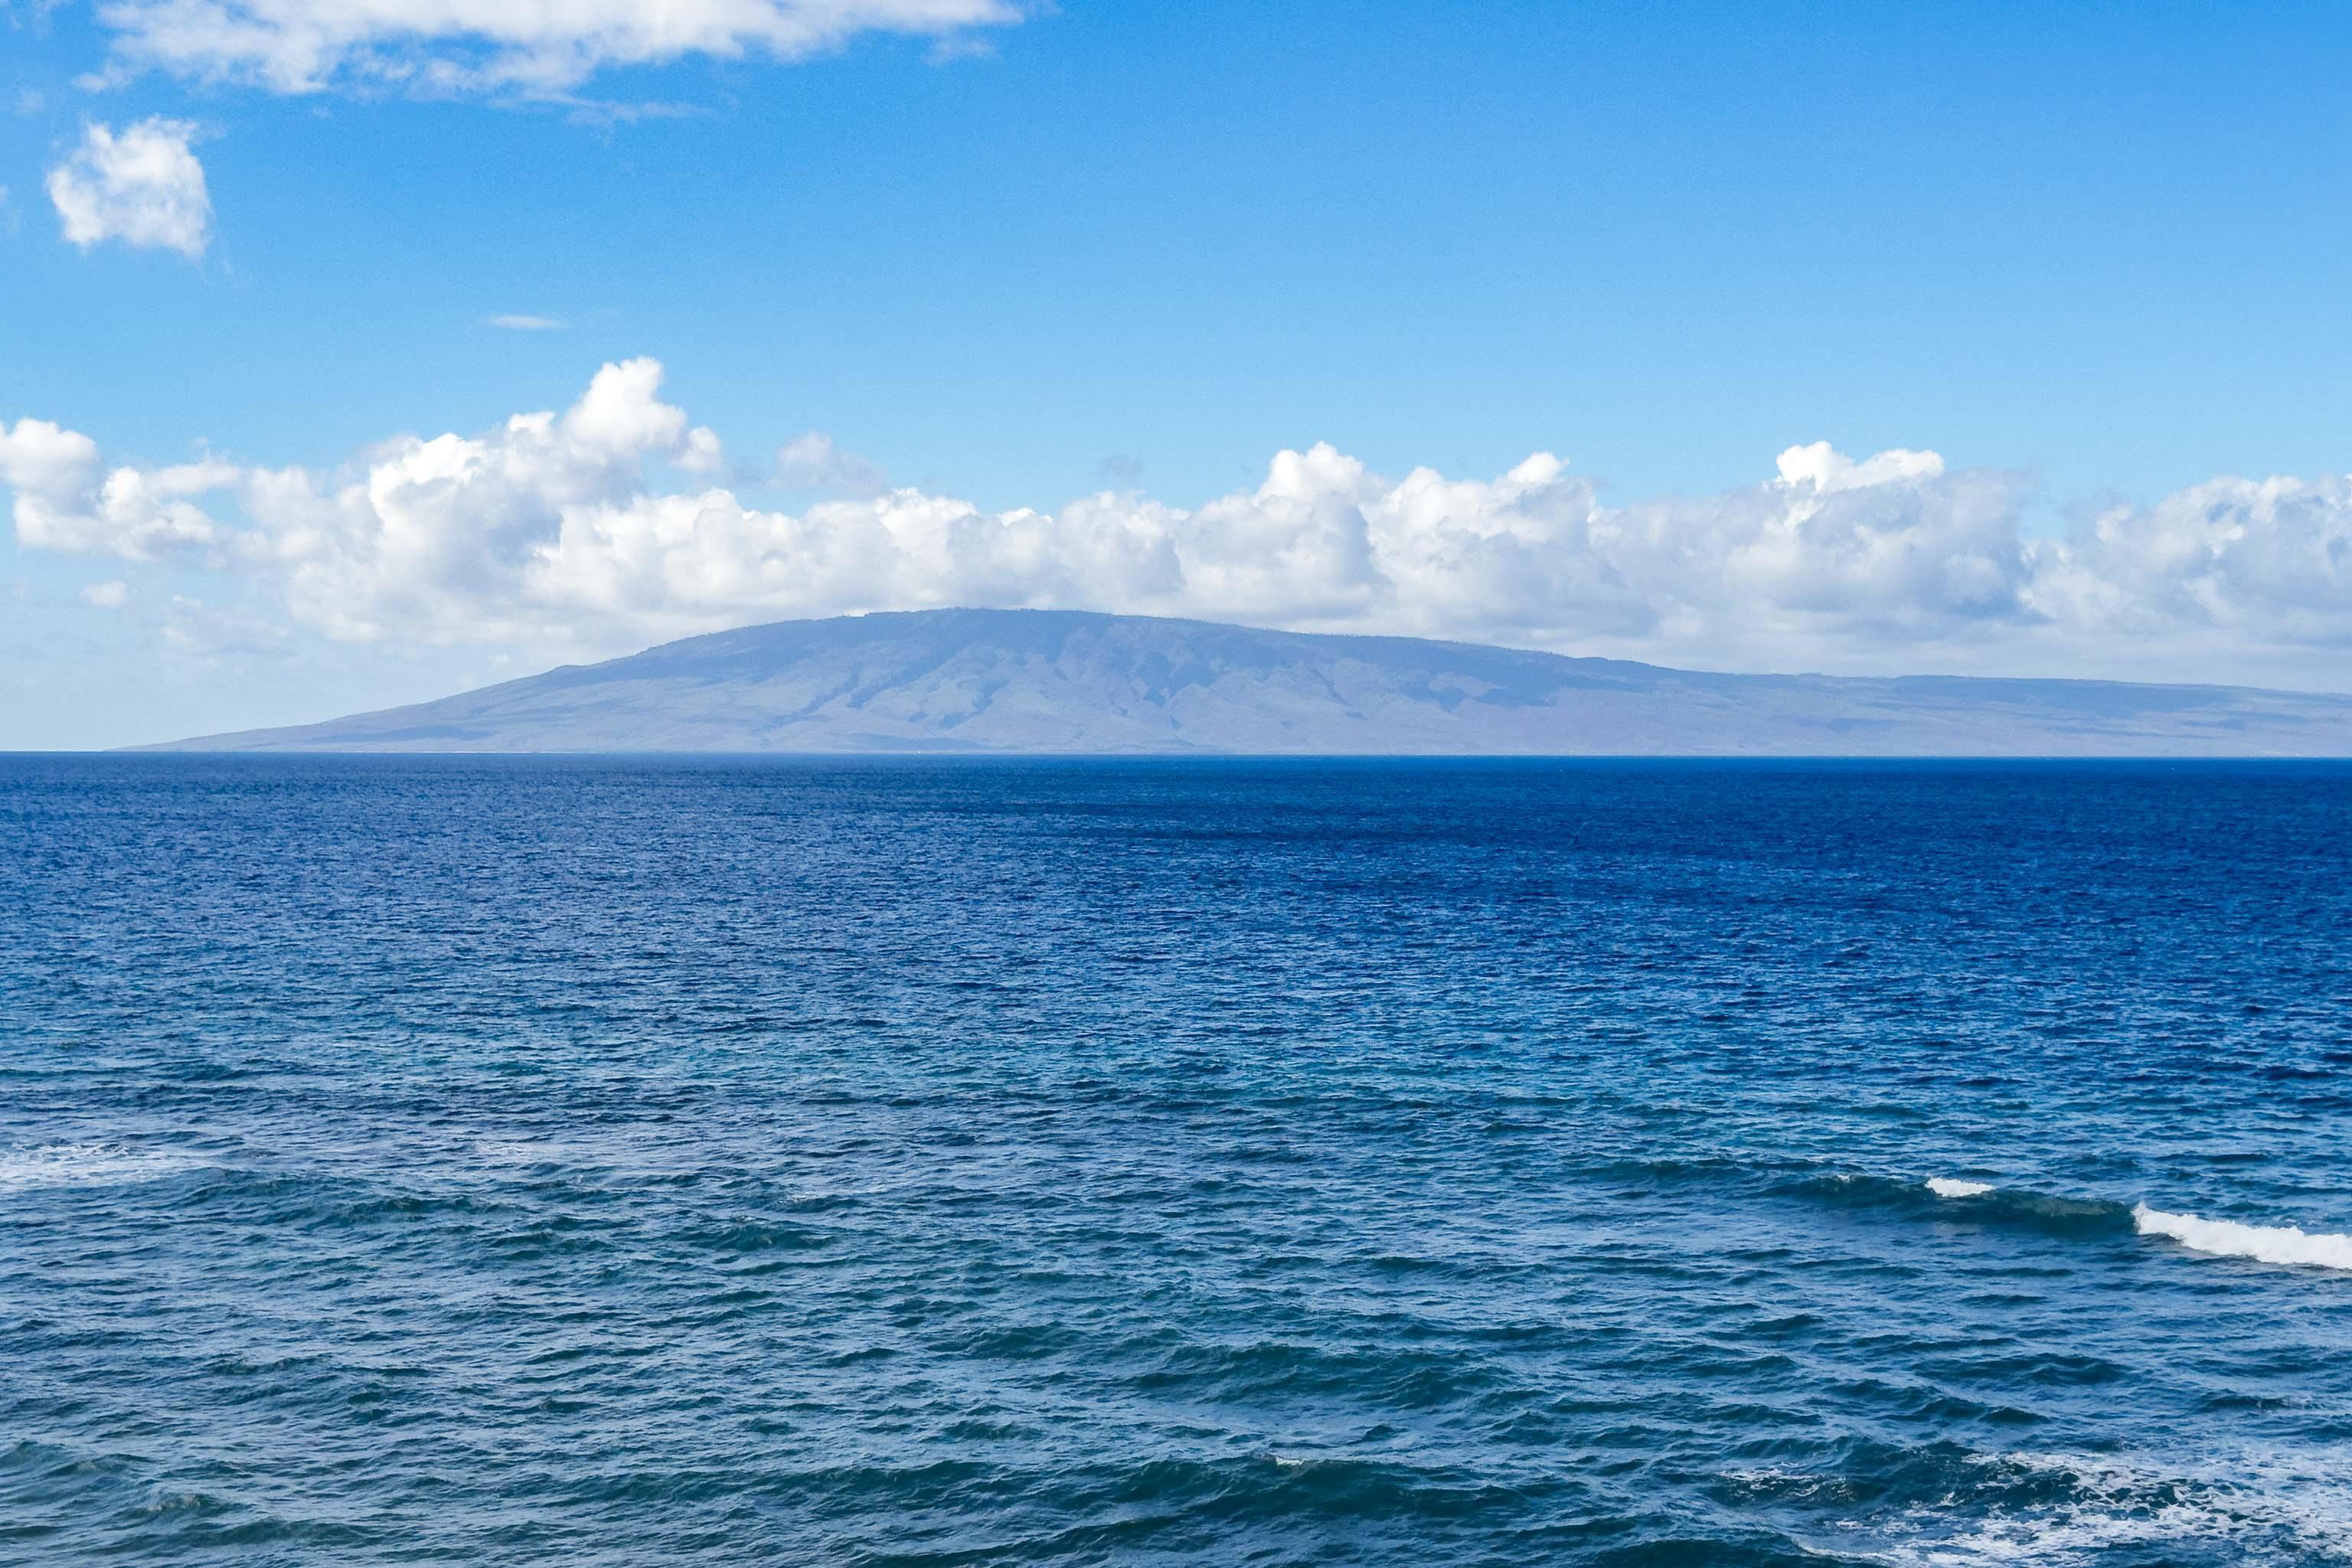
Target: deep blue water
(647,1162)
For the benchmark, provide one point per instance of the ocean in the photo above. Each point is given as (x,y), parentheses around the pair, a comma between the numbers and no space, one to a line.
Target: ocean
(909,1161)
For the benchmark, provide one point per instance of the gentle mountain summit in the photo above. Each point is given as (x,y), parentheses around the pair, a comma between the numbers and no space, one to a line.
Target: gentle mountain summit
(1062,682)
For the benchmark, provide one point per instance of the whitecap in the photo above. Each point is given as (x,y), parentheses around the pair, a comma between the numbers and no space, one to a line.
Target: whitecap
(1947,1187)
(2264,1243)
(77,1164)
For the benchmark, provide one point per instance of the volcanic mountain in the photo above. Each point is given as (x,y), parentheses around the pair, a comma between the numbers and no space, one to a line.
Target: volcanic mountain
(1053,681)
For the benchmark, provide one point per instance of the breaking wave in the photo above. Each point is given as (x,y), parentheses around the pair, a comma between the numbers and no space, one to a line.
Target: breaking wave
(2264,1243)
(2053,1510)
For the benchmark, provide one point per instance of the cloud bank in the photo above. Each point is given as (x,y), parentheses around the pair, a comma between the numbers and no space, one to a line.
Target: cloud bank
(143,187)
(530,48)
(599,530)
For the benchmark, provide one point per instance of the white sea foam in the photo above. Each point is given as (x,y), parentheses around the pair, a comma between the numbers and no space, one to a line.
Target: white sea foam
(1947,1187)
(77,1164)
(2269,1509)
(2264,1243)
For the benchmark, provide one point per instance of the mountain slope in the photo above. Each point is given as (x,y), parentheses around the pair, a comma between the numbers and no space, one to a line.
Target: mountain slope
(1062,682)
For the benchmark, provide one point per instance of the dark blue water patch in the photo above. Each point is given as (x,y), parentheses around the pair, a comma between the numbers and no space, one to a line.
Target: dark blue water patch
(632,1161)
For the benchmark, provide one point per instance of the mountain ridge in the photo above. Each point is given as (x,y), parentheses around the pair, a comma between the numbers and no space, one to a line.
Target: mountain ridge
(1072,682)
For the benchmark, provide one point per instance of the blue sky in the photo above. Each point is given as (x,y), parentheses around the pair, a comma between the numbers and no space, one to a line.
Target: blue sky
(2092,255)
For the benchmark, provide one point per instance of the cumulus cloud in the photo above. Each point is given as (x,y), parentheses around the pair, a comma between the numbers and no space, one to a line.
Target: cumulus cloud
(64,501)
(543,47)
(557,533)
(143,187)
(2232,559)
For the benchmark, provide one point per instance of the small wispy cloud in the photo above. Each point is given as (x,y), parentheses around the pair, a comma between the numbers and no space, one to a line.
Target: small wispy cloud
(607,112)
(515,324)
(952,46)
(203,633)
(112,594)
(813,462)
(442,48)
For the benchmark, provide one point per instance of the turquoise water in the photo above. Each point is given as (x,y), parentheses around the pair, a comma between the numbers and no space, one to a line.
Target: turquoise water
(643,1161)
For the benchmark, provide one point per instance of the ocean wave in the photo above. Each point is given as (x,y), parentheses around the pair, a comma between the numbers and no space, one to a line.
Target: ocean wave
(1956,1200)
(80,1164)
(2264,1243)
(2221,1238)
(1949,1200)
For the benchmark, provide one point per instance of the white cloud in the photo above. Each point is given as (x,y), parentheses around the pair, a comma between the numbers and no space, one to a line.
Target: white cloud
(108,595)
(553,536)
(143,187)
(541,48)
(523,323)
